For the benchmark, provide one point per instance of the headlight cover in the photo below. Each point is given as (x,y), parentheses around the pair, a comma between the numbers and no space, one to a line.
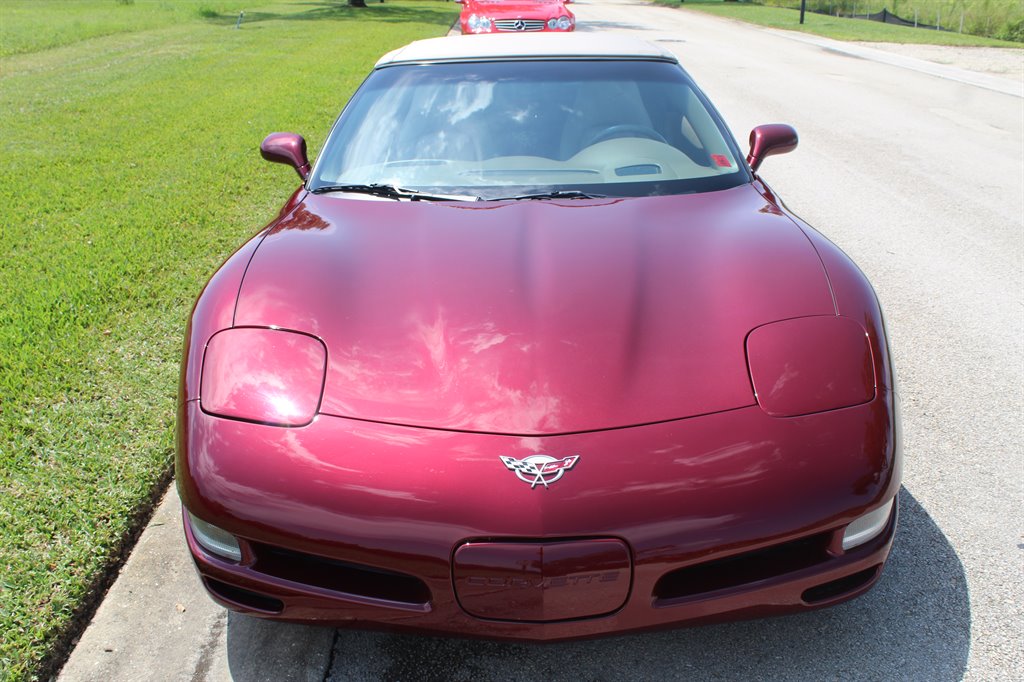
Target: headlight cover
(810,364)
(269,376)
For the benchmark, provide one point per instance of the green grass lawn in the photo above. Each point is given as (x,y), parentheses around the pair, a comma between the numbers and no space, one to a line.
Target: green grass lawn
(129,133)
(838,28)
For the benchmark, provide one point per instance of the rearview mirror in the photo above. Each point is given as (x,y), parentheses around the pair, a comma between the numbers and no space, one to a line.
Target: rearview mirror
(286,148)
(768,140)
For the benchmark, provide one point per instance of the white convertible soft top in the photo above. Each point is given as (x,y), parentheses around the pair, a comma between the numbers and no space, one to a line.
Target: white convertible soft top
(525,46)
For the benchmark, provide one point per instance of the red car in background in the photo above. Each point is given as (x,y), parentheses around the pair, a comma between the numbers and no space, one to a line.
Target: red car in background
(515,16)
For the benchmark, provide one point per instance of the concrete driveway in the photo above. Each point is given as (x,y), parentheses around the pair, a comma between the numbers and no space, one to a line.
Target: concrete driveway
(917,172)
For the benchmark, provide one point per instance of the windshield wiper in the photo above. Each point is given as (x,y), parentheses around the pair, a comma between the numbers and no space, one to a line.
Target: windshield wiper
(556,194)
(392,192)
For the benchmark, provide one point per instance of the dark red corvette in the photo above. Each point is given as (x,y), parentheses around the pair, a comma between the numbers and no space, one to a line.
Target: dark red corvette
(533,352)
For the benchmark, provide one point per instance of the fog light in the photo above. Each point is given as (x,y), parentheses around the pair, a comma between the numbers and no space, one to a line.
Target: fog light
(868,526)
(215,540)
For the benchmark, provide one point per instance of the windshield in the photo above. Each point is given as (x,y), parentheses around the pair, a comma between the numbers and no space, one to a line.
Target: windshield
(498,130)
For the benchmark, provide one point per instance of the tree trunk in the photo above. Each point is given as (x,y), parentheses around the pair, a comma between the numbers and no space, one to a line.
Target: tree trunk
(357,3)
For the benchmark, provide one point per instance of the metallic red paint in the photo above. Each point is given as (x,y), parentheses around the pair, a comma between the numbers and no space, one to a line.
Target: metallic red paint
(542,581)
(534,317)
(286,148)
(810,364)
(769,140)
(682,493)
(266,375)
(618,331)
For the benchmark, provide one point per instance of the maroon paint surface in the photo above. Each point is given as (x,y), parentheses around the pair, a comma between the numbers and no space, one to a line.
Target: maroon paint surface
(542,581)
(768,140)
(632,333)
(402,499)
(810,364)
(534,317)
(286,148)
(264,375)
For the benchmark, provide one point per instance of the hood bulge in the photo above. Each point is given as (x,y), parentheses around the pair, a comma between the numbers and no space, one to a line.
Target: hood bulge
(534,317)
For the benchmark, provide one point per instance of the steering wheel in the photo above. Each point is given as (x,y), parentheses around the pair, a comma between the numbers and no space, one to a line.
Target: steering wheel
(625,130)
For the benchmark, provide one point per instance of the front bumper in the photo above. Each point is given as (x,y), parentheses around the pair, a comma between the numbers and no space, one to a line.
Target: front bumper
(518,24)
(730,515)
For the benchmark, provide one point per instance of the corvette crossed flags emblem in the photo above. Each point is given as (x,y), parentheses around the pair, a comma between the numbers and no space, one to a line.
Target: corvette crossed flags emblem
(541,469)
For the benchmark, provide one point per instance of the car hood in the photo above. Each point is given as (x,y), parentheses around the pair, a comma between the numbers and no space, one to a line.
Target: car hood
(517,9)
(534,317)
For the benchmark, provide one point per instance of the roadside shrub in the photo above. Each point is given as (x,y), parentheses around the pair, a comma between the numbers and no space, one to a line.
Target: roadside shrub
(1013,31)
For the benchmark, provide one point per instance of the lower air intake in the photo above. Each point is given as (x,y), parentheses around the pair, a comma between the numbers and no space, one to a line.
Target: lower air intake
(741,569)
(340,576)
(247,598)
(841,587)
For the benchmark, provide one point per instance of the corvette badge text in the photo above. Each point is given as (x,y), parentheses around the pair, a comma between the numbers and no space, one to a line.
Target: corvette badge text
(544,583)
(542,469)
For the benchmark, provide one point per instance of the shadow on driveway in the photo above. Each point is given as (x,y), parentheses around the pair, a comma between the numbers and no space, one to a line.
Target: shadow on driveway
(915,624)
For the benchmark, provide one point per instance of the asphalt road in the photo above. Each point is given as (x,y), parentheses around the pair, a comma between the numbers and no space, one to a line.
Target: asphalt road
(920,178)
